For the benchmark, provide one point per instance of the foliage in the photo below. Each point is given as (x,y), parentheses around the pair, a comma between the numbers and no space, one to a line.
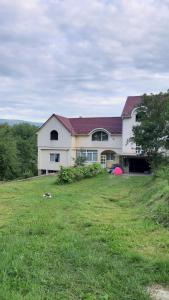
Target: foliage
(25,136)
(89,241)
(18,151)
(162,172)
(156,196)
(152,132)
(72,174)
(9,168)
(79,161)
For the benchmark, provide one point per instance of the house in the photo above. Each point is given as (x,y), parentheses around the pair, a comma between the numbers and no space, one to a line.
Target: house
(98,139)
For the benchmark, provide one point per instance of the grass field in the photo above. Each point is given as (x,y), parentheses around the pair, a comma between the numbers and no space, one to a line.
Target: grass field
(93,240)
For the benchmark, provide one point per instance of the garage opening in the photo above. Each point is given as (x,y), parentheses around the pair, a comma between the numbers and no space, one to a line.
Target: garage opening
(139,165)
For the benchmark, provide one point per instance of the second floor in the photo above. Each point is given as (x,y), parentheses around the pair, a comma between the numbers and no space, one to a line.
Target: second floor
(97,132)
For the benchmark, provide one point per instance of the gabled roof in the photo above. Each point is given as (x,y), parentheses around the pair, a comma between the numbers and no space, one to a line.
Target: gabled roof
(111,124)
(131,103)
(85,125)
(66,122)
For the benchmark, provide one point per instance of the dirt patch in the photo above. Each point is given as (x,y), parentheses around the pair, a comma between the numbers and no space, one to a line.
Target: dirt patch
(158,292)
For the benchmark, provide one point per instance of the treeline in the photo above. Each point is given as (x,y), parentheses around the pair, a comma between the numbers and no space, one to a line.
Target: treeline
(18,151)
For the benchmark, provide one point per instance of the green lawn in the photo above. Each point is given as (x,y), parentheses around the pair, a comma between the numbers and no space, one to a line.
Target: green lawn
(93,240)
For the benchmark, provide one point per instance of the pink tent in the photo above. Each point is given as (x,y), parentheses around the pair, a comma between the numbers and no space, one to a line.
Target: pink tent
(117,171)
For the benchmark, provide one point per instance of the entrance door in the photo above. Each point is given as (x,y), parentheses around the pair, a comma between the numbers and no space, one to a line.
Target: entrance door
(103,160)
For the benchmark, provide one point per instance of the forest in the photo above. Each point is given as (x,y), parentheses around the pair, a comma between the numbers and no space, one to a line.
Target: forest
(18,151)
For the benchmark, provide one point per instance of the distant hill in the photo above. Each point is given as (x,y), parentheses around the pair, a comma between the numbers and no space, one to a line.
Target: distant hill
(13,122)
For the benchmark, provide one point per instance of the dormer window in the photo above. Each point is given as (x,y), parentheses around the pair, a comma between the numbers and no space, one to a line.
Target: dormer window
(54,135)
(99,136)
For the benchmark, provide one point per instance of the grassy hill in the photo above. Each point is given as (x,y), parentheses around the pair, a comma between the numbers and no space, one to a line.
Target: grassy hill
(93,240)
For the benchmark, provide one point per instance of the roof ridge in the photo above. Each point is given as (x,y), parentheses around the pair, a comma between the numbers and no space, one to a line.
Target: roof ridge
(94,117)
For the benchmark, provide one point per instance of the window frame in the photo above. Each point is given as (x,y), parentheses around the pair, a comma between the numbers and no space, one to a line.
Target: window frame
(56,160)
(102,134)
(54,132)
(87,153)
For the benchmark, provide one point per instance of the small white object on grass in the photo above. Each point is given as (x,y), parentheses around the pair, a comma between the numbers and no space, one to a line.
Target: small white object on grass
(47,195)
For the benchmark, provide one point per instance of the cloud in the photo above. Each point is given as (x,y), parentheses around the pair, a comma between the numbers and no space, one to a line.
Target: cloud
(80,58)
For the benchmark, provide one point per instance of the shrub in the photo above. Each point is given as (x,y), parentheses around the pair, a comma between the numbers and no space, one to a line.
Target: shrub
(79,161)
(162,172)
(156,196)
(72,174)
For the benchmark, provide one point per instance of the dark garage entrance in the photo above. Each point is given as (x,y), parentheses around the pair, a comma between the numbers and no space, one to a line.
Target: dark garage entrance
(138,165)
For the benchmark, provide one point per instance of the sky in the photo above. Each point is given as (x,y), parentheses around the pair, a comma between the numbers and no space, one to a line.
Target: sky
(80,57)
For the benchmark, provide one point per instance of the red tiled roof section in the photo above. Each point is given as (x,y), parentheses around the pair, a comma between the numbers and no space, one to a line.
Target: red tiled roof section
(66,123)
(86,125)
(131,103)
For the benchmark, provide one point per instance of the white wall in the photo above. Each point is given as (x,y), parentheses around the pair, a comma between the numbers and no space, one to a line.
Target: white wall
(45,163)
(64,136)
(127,125)
(114,143)
(46,146)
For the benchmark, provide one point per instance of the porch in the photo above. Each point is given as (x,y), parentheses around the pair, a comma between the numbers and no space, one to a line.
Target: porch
(108,157)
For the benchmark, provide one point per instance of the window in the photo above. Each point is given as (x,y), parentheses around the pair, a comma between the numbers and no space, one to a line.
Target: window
(51,171)
(43,172)
(54,135)
(90,155)
(54,157)
(138,117)
(139,150)
(99,136)
(110,156)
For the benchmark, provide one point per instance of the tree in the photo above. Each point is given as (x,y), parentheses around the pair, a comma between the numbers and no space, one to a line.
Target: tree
(9,168)
(152,131)
(25,135)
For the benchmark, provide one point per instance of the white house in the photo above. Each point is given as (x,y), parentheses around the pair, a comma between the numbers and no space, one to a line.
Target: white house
(98,139)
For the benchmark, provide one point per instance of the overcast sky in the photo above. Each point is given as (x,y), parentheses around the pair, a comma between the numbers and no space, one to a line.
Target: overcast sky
(80,57)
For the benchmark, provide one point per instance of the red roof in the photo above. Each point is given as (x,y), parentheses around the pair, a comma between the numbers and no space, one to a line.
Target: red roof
(86,125)
(66,122)
(111,124)
(131,103)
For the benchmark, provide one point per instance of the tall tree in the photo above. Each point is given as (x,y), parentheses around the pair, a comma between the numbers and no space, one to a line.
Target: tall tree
(9,168)
(25,135)
(152,132)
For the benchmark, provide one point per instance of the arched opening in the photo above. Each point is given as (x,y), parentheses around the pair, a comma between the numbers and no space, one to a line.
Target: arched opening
(138,117)
(54,135)
(100,135)
(108,158)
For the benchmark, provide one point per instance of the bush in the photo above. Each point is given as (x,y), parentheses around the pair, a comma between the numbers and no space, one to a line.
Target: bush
(162,172)
(72,174)
(80,161)
(156,196)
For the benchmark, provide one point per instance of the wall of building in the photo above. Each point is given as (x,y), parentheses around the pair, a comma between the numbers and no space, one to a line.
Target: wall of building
(114,143)
(128,148)
(44,162)
(64,136)
(45,146)
(67,145)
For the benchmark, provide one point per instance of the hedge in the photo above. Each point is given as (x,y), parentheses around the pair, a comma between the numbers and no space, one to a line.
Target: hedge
(72,174)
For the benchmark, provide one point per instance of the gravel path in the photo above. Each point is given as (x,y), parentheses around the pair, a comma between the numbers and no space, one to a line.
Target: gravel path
(159,293)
